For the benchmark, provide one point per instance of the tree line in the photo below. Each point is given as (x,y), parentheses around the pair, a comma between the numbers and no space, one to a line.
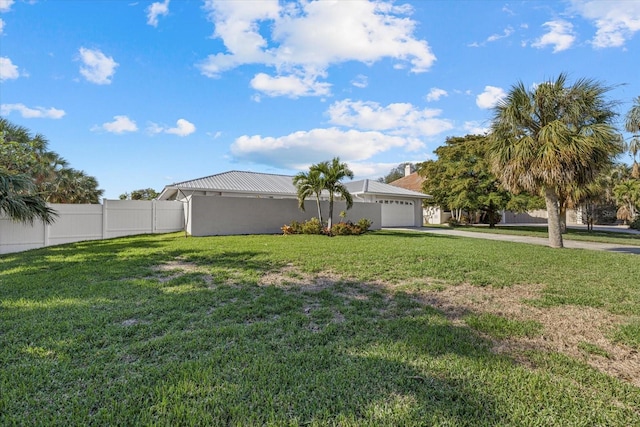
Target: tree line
(31,175)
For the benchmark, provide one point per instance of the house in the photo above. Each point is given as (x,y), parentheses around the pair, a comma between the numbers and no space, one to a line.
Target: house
(436,215)
(413,182)
(240,202)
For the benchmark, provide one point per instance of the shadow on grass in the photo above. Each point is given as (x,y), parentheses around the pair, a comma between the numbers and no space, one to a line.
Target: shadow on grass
(91,336)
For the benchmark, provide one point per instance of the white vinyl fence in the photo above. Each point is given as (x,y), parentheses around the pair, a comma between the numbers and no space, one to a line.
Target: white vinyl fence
(113,218)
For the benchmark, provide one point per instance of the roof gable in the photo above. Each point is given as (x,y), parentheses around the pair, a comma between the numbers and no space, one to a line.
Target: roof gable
(411,182)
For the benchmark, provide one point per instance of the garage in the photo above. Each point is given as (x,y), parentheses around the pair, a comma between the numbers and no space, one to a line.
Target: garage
(398,213)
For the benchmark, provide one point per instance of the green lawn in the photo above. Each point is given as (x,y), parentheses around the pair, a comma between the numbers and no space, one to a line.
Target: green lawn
(601,236)
(308,330)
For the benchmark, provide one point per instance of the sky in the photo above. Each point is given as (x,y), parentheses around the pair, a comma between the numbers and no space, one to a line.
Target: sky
(143,94)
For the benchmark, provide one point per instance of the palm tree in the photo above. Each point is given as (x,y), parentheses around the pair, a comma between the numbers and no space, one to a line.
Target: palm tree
(308,184)
(632,124)
(19,202)
(627,194)
(552,139)
(332,173)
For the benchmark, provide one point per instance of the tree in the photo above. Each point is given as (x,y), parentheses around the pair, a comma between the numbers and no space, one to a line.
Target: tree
(308,184)
(397,173)
(551,138)
(24,154)
(331,173)
(460,180)
(627,194)
(632,124)
(142,194)
(19,201)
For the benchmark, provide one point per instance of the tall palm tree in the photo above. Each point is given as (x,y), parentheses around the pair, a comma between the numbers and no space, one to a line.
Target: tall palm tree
(632,124)
(551,139)
(627,194)
(19,201)
(309,184)
(332,173)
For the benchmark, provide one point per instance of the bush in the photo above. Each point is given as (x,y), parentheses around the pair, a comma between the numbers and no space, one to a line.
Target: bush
(635,224)
(364,224)
(350,229)
(453,222)
(313,226)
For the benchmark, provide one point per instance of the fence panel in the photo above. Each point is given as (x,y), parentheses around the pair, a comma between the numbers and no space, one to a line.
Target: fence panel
(114,218)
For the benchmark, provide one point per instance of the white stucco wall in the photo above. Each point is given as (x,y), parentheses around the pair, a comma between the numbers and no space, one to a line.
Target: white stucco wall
(210,216)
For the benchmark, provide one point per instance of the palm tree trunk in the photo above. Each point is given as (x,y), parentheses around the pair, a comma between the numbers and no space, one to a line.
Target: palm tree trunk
(319,210)
(563,218)
(330,221)
(553,221)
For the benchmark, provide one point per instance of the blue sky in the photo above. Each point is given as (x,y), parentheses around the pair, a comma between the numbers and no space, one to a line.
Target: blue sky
(143,94)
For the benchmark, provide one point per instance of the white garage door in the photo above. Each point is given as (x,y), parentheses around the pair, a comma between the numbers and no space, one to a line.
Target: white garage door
(397,213)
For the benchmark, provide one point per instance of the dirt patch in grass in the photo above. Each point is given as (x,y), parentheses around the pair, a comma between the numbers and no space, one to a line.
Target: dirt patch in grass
(290,277)
(177,267)
(566,328)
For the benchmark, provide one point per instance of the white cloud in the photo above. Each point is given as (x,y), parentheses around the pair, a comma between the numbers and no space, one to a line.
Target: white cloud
(372,129)
(560,36)
(32,113)
(398,119)
(506,33)
(120,124)
(435,94)
(97,67)
(183,128)
(494,37)
(291,86)
(300,149)
(475,128)
(157,9)
(303,39)
(361,81)
(1,26)
(7,69)
(5,5)
(490,97)
(616,21)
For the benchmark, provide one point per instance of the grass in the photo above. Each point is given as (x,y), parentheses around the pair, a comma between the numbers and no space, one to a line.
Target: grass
(500,327)
(299,330)
(601,236)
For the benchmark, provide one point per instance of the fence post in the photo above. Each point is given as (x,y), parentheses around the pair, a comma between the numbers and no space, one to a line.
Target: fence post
(154,216)
(45,240)
(104,218)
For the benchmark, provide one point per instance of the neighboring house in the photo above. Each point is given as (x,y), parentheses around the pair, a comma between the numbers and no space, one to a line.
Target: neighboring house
(413,182)
(436,215)
(238,202)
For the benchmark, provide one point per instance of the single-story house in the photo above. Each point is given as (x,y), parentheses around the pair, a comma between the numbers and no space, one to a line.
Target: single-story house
(240,202)
(413,182)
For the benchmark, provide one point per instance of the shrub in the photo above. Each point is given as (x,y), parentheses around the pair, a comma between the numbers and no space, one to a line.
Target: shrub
(453,222)
(364,224)
(635,224)
(350,229)
(313,226)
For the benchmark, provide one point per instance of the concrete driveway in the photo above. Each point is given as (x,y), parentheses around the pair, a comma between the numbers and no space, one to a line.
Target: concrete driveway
(543,241)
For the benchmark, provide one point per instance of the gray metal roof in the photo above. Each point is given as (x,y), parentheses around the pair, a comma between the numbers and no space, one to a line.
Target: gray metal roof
(368,186)
(239,181)
(271,184)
